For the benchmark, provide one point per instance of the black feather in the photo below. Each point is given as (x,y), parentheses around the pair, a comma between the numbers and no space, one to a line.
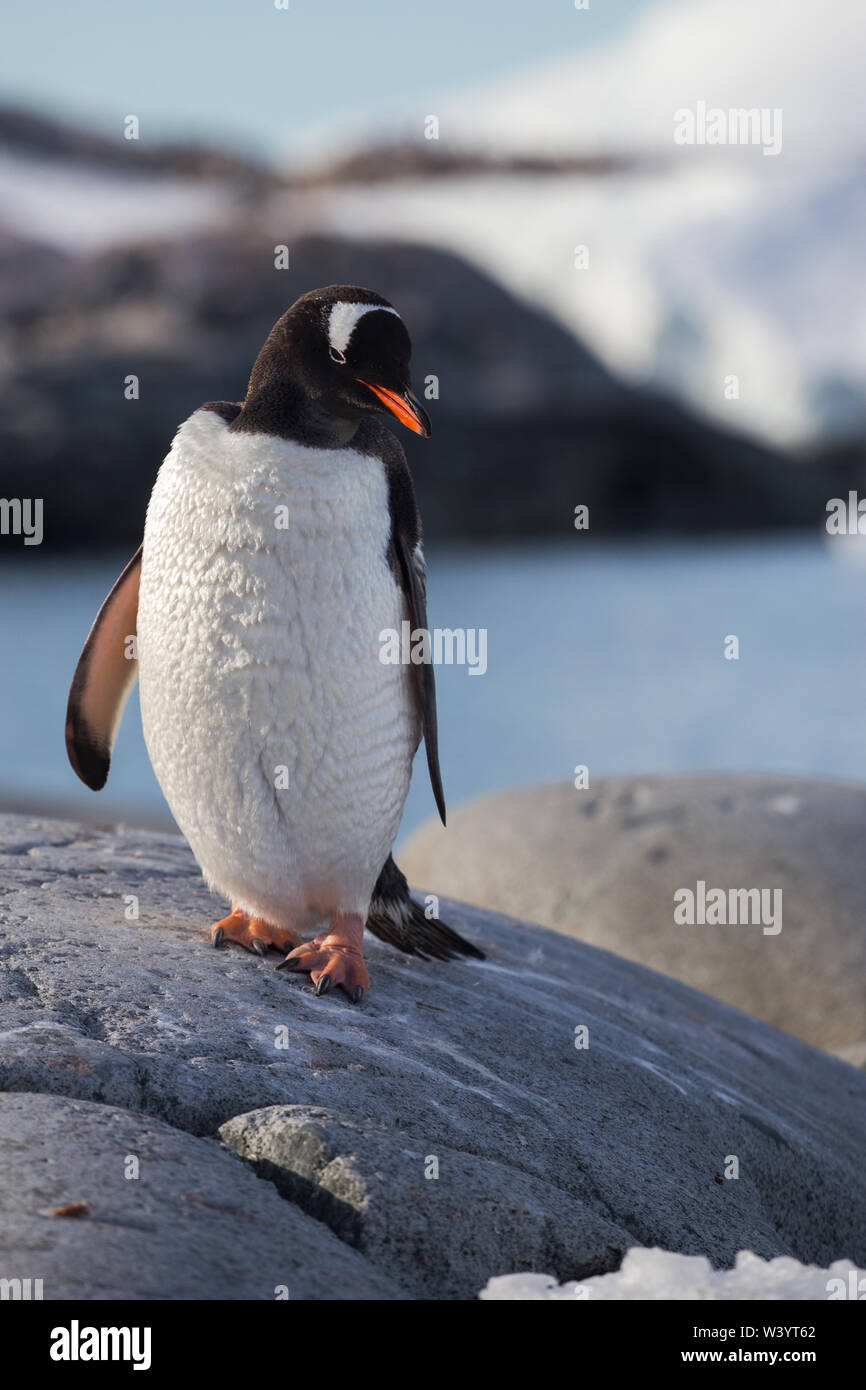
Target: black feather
(403,557)
(396,918)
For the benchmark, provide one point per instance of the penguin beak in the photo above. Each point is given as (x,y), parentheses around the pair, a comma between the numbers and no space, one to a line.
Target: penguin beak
(404,405)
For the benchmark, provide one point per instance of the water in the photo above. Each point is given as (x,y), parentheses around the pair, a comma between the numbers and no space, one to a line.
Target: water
(609,656)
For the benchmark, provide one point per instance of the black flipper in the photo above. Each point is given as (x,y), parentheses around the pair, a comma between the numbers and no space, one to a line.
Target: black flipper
(103,679)
(425,681)
(394,917)
(406,557)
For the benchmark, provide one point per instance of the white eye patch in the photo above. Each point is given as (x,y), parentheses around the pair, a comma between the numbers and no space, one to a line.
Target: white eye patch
(343,319)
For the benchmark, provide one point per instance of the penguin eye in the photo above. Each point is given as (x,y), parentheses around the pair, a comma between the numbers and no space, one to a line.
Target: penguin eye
(337,355)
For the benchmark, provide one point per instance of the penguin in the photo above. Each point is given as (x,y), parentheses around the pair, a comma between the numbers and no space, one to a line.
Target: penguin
(282,542)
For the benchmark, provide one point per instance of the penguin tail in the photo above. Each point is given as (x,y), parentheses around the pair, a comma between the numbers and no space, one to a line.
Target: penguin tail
(394,917)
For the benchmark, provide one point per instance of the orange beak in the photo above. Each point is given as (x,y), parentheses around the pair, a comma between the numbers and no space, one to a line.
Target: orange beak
(407,410)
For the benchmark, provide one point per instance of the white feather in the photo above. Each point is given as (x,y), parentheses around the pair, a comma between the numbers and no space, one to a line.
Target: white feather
(343,320)
(259,650)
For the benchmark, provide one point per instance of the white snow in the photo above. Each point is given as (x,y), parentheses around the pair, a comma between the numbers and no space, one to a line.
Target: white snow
(650,304)
(793,54)
(663,1276)
(81,209)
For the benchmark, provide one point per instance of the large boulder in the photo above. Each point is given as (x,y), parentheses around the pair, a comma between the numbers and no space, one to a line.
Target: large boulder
(546,1109)
(603,864)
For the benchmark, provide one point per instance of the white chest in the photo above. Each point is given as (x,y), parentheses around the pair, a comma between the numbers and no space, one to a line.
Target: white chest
(281,741)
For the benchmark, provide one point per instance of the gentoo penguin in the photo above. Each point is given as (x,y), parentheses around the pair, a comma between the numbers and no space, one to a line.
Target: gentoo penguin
(282,539)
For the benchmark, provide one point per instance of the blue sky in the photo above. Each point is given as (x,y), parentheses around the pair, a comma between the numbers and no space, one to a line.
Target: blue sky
(241,72)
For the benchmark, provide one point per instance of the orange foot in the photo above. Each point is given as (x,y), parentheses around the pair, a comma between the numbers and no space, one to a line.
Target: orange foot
(252,932)
(334,958)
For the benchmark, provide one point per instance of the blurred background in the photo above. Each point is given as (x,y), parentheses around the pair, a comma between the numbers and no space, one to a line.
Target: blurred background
(673,336)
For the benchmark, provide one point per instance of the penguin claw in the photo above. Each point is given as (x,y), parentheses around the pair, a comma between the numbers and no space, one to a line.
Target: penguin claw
(253,933)
(334,959)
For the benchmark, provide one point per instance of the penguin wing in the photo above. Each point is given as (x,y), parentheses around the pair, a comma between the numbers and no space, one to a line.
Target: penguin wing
(103,679)
(406,557)
(411,567)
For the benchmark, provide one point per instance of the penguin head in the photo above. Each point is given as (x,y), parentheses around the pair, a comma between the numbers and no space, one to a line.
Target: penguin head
(349,350)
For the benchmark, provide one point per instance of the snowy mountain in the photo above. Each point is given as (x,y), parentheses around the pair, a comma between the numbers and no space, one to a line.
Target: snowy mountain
(794,54)
(705,262)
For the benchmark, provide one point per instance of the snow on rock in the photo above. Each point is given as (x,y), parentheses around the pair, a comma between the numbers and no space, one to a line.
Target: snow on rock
(660,1275)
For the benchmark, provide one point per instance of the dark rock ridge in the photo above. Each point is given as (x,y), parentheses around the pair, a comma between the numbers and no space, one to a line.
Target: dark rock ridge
(416,159)
(30,134)
(446,1131)
(25,133)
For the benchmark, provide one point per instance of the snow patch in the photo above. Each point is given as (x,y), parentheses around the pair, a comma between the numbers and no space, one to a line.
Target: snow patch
(82,209)
(661,1275)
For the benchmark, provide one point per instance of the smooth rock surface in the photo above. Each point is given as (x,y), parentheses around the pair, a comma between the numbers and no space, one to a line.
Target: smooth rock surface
(603,864)
(550,1157)
(195,1222)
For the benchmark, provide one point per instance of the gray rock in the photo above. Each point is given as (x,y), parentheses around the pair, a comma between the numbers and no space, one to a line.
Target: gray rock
(550,1156)
(194,1223)
(434,1220)
(603,864)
